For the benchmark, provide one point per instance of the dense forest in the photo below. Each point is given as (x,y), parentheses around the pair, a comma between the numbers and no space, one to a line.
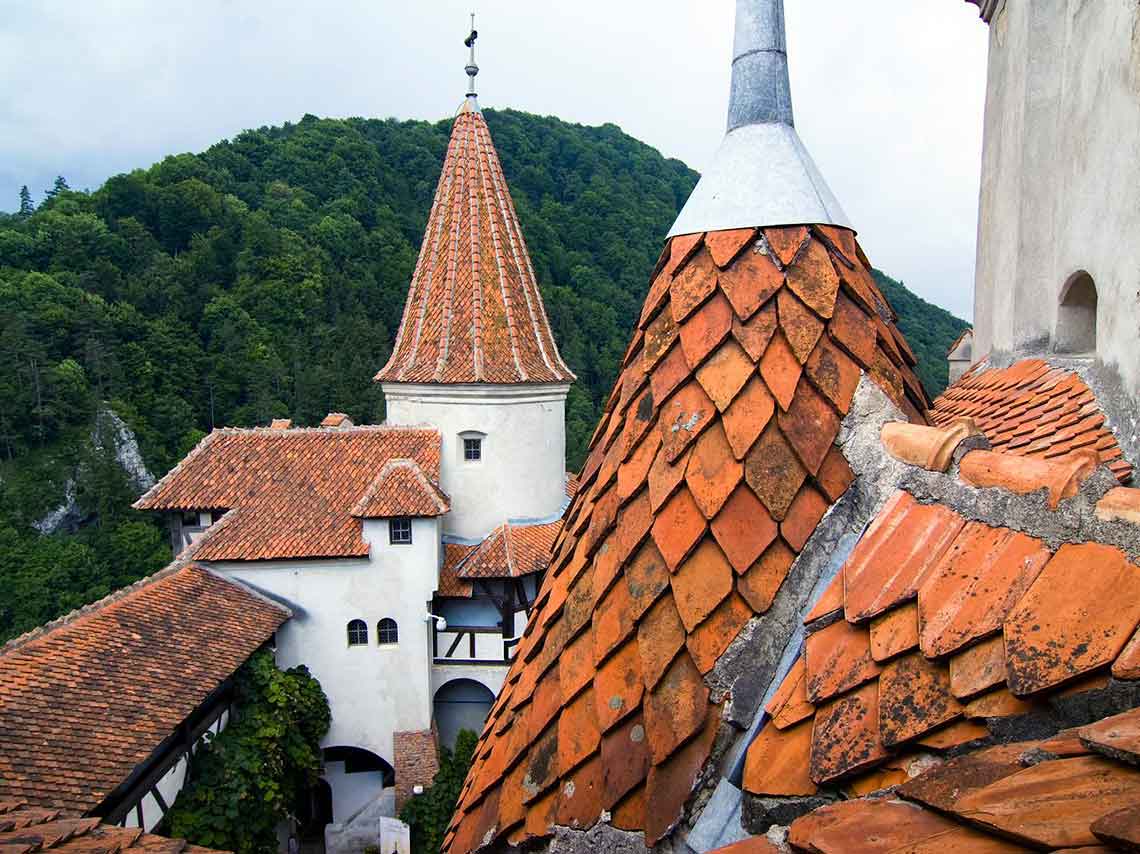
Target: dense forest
(264,278)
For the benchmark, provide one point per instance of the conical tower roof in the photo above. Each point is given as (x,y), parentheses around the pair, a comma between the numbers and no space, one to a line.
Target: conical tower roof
(474,313)
(714,462)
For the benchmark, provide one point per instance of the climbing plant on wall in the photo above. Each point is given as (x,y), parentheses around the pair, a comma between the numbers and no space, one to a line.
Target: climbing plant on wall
(428,814)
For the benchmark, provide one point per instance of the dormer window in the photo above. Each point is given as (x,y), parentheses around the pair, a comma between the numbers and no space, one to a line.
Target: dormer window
(400,531)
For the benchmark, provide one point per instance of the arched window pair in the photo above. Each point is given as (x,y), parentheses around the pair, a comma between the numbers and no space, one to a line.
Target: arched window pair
(386,632)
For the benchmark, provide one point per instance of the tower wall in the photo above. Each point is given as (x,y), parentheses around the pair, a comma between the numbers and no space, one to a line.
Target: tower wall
(522,470)
(1060,172)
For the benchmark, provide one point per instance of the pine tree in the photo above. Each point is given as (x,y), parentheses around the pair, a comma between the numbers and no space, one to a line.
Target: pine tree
(27,207)
(57,187)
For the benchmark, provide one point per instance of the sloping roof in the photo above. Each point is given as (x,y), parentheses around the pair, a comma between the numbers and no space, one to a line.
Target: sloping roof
(968,332)
(474,313)
(450,584)
(24,830)
(710,469)
(86,699)
(292,493)
(1033,409)
(401,489)
(511,551)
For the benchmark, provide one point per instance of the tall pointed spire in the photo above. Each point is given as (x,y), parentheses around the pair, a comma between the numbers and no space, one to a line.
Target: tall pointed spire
(762,175)
(474,313)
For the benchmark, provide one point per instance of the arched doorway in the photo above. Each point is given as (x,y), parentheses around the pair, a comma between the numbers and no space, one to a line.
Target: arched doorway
(357,777)
(1076,316)
(461,704)
(313,813)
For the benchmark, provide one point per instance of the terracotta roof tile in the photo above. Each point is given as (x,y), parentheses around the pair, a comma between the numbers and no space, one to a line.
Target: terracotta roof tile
(800,326)
(786,242)
(978,668)
(837,659)
(1061,478)
(790,704)
(1029,396)
(894,632)
(293,493)
(510,551)
(845,736)
(914,698)
(870,826)
(775,763)
(1120,829)
(703,464)
(724,246)
(24,830)
(186,623)
(1117,737)
(474,312)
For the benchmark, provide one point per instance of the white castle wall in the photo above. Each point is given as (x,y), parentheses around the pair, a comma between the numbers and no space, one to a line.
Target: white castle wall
(523,470)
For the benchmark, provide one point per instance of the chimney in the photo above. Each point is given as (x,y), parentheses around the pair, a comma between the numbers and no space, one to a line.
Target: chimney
(762,175)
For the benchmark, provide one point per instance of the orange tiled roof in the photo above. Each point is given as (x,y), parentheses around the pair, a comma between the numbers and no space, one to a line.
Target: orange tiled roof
(293,493)
(450,584)
(85,700)
(474,313)
(511,551)
(401,489)
(1033,409)
(25,830)
(710,469)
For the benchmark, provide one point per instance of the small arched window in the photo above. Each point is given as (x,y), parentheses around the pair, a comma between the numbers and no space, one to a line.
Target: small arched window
(357,632)
(471,446)
(386,632)
(1076,316)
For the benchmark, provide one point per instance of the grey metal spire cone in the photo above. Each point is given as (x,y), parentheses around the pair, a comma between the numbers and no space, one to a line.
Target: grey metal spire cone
(762,174)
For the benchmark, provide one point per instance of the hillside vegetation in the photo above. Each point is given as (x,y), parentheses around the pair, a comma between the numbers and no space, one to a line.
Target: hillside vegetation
(265,278)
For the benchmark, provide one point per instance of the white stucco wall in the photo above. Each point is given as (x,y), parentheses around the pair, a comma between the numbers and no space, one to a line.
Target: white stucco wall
(1061,175)
(351,792)
(523,471)
(373,690)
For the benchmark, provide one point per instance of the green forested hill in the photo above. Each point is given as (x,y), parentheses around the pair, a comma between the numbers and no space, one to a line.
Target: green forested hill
(264,278)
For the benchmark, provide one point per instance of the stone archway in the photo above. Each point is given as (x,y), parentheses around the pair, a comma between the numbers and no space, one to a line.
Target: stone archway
(461,704)
(1076,315)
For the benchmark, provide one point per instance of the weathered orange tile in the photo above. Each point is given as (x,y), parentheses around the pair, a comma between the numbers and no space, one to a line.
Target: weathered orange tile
(747,417)
(633,524)
(813,278)
(743,528)
(892,773)
(638,420)
(829,602)
(711,638)
(902,545)
(660,636)
(646,577)
(1061,478)
(1117,737)
(760,584)
(625,760)
(978,580)
(576,667)
(1065,743)
(954,735)
(774,471)
(672,782)
(750,282)
(978,668)
(1120,504)
(780,370)
(692,285)
(578,732)
(833,373)
(664,478)
(786,242)
(542,767)
(1053,804)
(1077,616)
(802,517)
(1127,664)
(914,698)
(790,704)
(998,703)
(841,241)
(894,632)
(680,249)
(511,809)
(669,374)
(845,735)
(837,659)
(630,813)
(724,246)
(801,327)
(618,686)
(678,527)
(701,583)
(659,337)
(580,798)
(752,845)
(852,330)
(676,708)
(776,763)
(684,417)
(866,825)
(705,329)
(545,703)
(942,786)
(810,425)
(633,473)
(755,334)
(1120,828)
(725,373)
(931,448)
(613,621)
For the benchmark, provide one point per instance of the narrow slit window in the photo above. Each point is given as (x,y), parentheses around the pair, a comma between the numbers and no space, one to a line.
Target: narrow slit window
(472,450)
(400,531)
(357,633)
(387,632)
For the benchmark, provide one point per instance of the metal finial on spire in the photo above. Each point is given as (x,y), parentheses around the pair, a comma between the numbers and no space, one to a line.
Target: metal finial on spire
(762,174)
(472,69)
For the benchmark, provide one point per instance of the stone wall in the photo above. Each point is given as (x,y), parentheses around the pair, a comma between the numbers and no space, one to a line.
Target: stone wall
(417,761)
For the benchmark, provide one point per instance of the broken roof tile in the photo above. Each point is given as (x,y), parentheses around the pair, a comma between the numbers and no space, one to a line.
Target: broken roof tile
(1127,664)
(802,517)
(810,426)
(1061,478)
(1120,504)
(712,637)
(790,704)
(932,448)
(1117,737)
(813,278)
(1077,616)
(835,474)
(943,785)
(834,374)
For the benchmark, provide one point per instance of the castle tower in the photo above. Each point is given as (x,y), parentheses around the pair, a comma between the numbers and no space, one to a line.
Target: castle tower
(761,335)
(475,355)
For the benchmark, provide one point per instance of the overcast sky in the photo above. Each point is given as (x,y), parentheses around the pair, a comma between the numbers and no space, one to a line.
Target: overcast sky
(888,94)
